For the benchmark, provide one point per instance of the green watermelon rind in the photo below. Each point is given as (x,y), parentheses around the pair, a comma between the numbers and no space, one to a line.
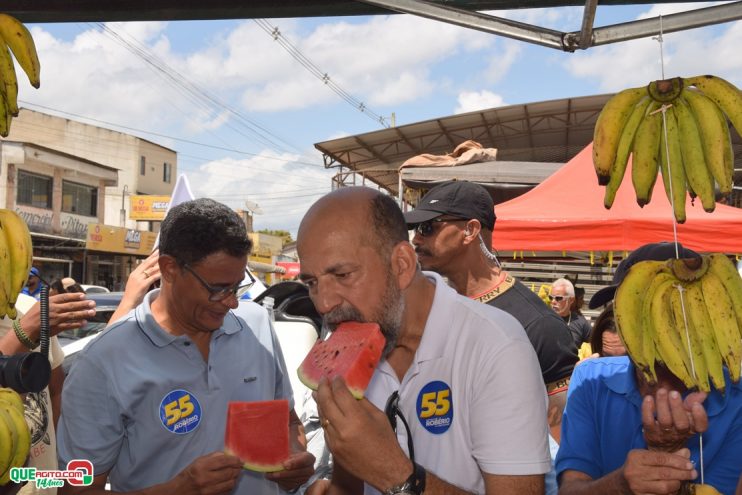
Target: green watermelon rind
(357,391)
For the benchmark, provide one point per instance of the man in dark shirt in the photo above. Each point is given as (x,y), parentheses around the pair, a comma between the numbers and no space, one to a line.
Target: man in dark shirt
(453,236)
(562,298)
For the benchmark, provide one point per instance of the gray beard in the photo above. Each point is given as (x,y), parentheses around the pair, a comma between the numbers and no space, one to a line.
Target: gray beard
(388,316)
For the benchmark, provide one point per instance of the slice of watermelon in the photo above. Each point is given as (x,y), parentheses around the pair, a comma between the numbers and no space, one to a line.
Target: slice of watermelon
(352,351)
(258,433)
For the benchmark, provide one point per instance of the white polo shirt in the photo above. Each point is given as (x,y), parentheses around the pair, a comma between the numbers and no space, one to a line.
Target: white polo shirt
(473,396)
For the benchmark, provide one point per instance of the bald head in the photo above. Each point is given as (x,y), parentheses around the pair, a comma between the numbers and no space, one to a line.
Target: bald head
(367,215)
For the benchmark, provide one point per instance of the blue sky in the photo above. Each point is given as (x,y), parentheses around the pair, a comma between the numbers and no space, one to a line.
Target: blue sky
(417,69)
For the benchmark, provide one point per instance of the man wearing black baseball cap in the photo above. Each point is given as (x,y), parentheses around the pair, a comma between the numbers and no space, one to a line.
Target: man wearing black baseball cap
(658,251)
(453,226)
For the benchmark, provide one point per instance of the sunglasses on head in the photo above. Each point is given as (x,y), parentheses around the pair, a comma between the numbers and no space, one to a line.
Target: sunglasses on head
(425,229)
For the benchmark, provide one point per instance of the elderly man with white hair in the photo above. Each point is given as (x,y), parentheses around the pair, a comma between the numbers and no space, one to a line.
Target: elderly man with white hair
(562,299)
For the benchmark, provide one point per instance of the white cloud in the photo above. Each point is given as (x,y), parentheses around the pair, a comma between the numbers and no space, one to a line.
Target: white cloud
(711,50)
(470,101)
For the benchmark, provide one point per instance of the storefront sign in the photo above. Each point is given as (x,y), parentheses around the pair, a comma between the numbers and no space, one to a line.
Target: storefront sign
(74,225)
(37,220)
(148,207)
(119,240)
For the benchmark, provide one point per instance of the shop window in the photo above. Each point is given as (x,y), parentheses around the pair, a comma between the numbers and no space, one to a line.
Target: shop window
(34,190)
(167,171)
(142,165)
(79,199)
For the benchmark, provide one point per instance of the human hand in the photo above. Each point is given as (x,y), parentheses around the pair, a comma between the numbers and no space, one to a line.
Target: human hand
(319,487)
(211,474)
(669,420)
(297,470)
(657,473)
(66,311)
(356,432)
(142,277)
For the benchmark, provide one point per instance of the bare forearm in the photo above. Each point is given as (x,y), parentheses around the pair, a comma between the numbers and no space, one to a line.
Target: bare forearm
(611,484)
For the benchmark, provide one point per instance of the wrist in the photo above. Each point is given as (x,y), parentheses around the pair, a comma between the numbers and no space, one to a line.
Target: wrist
(396,477)
(27,342)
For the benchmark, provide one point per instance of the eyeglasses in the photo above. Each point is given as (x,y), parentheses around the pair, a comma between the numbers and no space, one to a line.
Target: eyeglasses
(392,411)
(557,298)
(220,293)
(426,229)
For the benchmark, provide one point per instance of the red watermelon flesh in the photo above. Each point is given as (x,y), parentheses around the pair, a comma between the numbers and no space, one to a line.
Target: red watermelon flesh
(258,433)
(352,351)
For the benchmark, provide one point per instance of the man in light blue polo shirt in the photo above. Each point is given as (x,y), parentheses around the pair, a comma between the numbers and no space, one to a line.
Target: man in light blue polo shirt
(146,401)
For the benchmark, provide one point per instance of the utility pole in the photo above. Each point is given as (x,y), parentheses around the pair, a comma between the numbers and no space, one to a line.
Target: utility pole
(124,192)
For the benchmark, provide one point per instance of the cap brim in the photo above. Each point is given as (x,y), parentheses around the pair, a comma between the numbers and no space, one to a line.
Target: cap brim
(419,216)
(602,297)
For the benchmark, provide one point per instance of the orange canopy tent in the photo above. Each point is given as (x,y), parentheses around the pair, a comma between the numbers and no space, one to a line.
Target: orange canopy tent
(566,213)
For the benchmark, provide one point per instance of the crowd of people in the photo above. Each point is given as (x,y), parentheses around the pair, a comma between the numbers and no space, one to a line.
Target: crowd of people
(480,388)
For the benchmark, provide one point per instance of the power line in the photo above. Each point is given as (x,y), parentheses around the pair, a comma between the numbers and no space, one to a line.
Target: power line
(188,141)
(275,33)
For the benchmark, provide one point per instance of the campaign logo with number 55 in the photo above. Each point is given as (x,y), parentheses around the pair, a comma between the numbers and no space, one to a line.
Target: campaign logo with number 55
(180,411)
(435,407)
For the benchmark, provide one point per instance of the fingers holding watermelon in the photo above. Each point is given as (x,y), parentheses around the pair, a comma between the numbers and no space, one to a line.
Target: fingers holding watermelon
(357,432)
(211,474)
(297,470)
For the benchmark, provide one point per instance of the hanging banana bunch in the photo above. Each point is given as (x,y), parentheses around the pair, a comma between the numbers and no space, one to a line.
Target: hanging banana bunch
(15,38)
(686,315)
(16,256)
(678,121)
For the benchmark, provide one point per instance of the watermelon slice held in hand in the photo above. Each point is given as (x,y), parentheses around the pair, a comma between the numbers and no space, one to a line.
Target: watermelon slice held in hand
(258,433)
(352,352)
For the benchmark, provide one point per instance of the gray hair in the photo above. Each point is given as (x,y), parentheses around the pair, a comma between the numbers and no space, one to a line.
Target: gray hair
(568,287)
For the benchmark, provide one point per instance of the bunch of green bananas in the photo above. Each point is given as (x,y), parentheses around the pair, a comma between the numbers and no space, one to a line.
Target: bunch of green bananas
(15,36)
(15,436)
(678,121)
(16,255)
(685,314)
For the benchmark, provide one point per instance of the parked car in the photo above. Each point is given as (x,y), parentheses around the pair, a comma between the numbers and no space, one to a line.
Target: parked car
(94,289)
(73,341)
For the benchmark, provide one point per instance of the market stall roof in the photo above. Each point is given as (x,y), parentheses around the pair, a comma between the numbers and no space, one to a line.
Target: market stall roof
(566,213)
(547,131)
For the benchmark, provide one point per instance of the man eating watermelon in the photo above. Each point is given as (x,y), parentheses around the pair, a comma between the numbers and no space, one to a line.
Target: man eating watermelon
(458,378)
(146,402)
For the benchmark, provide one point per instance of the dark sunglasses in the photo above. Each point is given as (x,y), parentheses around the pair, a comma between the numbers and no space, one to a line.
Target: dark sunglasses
(426,228)
(557,298)
(220,293)
(392,411)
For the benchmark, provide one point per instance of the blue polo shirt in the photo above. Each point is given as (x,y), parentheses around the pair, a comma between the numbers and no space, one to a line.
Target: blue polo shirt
(602,423)
(143,404)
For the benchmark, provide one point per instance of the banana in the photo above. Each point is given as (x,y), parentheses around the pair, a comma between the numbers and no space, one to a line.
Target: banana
(644,162)
(689,337)
(699,489)
(673,175)
(724,94)
(8,445)
(704,330)
(721,266)
(23,444)
(713,138)
(608,127)
(694,162)
(665,91)
(8,79)
(18,239)
(689,270)
(20,42)
(724,323)
(624,148)
(11,397)
(627,310)
(5,115)
(671,350)
(4,274)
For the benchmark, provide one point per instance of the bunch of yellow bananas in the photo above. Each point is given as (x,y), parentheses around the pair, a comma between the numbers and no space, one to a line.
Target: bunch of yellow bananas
(15,36)
(678,121)
(16,255)
(698,489)
(685,314)
(15,436)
